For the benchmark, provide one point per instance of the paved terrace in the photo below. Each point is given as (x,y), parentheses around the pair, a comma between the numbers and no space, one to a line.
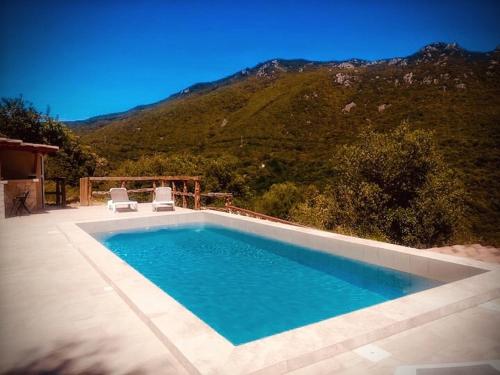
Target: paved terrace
(57,312)
(476,251)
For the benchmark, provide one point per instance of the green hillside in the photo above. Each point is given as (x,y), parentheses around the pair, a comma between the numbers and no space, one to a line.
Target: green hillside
(284,120)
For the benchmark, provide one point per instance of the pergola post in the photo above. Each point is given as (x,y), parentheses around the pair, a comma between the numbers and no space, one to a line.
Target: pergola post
(89,192)
(84,196)
(63,192)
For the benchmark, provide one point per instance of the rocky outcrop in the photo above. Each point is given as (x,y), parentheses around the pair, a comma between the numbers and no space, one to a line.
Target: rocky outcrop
(382,107)
(427,80)
(348,107)
(408,78)
(270,69)
(346,65)
(344,79)
(398,62)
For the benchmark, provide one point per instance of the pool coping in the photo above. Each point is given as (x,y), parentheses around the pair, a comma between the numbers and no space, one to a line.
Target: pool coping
(203,351)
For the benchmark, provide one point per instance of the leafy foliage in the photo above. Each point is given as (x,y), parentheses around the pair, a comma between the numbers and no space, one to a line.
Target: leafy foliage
(291,122)
(393,186)
(217,174)
(280,199)
(315,209)
(20,120)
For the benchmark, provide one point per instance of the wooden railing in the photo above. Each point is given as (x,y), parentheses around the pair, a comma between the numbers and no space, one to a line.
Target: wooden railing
(180,187)
(227,197)
(257,215)
(86,193)
(60,190)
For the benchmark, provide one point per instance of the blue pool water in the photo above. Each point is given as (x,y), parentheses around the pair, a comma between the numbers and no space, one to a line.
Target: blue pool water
(247,287)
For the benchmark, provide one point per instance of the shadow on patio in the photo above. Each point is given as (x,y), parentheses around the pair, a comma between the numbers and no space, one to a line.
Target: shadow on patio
(90,357)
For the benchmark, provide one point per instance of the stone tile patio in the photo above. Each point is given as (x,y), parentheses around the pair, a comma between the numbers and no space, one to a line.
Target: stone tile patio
(56,309)
(474,251)
(53,303)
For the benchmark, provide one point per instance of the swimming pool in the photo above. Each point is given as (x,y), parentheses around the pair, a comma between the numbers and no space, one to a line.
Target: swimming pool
(247,287)
(204,348)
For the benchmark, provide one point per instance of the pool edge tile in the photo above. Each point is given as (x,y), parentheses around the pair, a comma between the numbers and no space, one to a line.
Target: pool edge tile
(462,294)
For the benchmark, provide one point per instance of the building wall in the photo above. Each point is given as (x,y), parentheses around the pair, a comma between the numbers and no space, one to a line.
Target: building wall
(14,188)
(17,164)
(19,174)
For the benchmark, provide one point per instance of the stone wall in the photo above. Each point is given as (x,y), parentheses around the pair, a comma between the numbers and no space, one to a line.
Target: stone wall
(2,202)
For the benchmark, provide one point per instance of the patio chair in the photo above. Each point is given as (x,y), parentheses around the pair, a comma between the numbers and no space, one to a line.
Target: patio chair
(119,198)
(19,203)
(163,198)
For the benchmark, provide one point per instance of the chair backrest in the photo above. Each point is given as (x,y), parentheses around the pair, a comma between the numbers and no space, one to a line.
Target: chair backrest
(119,194)
(22,197)
(163,194)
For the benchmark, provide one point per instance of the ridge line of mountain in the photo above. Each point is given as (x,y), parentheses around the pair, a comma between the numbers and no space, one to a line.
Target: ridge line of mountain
(289,63)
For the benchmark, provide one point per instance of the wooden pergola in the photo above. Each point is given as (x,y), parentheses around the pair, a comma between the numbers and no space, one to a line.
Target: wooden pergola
(17,144)
(22,170)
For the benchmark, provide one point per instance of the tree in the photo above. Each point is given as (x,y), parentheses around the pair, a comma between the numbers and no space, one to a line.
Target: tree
(393,186)
(160,165)
(315,210)
(279,200)
(218,174)
(20,120)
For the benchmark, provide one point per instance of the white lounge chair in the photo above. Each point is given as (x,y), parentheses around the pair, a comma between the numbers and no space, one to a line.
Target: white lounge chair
(119,198)
(163,198)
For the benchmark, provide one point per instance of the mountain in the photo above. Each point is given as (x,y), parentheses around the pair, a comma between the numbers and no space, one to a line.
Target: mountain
(101,120)
(291,116)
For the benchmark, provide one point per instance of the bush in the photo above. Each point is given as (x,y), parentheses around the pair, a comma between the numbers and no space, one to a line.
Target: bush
(393,186)
(279,200)
(218,174)
(316,210)
(160,165)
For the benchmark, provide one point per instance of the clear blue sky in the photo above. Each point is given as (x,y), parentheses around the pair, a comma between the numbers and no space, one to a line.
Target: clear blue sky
(85,58)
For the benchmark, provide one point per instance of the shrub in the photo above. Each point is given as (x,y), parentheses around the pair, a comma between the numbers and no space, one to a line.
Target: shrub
(160,165)
(392,186)
(218,174)
(315,210)
(279,200)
